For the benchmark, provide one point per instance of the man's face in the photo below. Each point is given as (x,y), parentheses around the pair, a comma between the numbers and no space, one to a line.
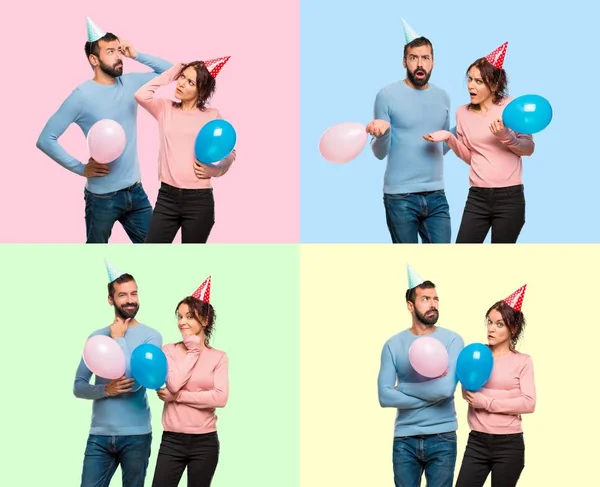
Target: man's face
(418,64)
(426,306)
(110,59)
(125,299)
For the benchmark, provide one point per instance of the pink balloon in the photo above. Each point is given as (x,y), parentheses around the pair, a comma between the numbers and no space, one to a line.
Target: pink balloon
(104,357)
(428,357)
(106,141)
(343,142)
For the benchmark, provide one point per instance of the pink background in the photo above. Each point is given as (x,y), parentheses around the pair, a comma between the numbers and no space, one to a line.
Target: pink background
(257,91)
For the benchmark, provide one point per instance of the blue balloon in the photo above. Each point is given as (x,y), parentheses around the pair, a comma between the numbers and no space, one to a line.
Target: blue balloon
(527,114)
(149,366)
(215,141)
(474,366)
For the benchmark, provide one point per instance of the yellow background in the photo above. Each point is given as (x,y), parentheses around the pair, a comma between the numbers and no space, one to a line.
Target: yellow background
(352,301)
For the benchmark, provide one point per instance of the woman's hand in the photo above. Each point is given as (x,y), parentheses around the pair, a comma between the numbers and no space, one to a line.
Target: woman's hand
(475,399)
(439,136)
(201,170)
(498,128)
(165,395)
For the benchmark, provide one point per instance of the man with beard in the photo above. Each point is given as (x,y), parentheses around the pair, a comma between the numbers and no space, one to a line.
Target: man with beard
(414,198)
(121,430)
(426,424)
(113,191)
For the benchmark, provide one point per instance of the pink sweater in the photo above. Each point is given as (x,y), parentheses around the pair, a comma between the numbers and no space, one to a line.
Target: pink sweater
(178,131)
(509,393)
(495,160)
(197,383)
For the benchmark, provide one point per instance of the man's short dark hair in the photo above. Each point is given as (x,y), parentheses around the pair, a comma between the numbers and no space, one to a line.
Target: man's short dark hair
(94,47)
(418,42)
(119,280)
(411,294)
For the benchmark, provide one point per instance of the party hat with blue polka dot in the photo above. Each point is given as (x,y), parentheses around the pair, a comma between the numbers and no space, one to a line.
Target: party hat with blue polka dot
(414,279)
(93,31)
(410,34)
(112,271)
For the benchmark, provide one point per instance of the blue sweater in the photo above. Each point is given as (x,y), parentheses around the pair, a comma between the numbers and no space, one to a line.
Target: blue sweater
(413,164)
(87,104)
(425,406)
(127,414)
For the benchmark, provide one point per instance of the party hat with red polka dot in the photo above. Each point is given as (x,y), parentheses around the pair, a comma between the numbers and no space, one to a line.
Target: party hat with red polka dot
(203,292)
(414,279)
(515,300)
(496,57)
(215,65)
(410,34)
(112,271)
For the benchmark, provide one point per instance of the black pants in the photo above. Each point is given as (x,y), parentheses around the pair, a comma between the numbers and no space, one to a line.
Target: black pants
(192,210)
(501,209)
(199,453)
(502,455)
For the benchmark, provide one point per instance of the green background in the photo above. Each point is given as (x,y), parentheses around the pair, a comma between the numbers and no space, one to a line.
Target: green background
(55,295)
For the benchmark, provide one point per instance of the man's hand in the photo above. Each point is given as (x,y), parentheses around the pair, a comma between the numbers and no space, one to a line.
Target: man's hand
(119,386)
(377,128)
(444,374)
(118,328)
(165,395)
(94,169)
(127,50)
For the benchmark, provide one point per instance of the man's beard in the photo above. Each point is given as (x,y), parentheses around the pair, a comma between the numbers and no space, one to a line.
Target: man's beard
(418,81)
(428,320)
(127,313)
(113,71)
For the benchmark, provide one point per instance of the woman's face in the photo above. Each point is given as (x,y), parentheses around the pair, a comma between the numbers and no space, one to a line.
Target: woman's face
(478,90)
(498,331)
(186,320)
(187,89)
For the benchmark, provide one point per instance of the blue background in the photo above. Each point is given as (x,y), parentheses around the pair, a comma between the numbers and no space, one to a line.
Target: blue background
(351,49)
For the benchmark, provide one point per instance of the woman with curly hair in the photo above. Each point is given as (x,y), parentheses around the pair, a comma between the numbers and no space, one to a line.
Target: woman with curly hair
(185,198)
(197,384)
(496,441)
(494,154)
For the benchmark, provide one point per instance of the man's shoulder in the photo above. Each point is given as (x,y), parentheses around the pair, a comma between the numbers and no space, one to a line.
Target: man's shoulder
(397,337)
(438,91)
(148,330)
(390,89)
(449,334)
(101,331)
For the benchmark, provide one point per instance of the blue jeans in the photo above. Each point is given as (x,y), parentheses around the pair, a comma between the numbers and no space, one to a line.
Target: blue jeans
(103,454)
(426,214)
(433,454)
(129,206)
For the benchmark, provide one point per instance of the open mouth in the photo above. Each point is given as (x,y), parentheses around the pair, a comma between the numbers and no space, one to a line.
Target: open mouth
(420,74)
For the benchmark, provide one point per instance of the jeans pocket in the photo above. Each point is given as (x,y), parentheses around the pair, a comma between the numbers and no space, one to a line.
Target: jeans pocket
(104,196)
(399,196)
(449,437)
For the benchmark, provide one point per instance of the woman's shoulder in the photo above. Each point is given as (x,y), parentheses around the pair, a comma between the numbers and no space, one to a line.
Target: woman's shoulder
(521,357)
(218,353)
(462,110)
(170,346)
